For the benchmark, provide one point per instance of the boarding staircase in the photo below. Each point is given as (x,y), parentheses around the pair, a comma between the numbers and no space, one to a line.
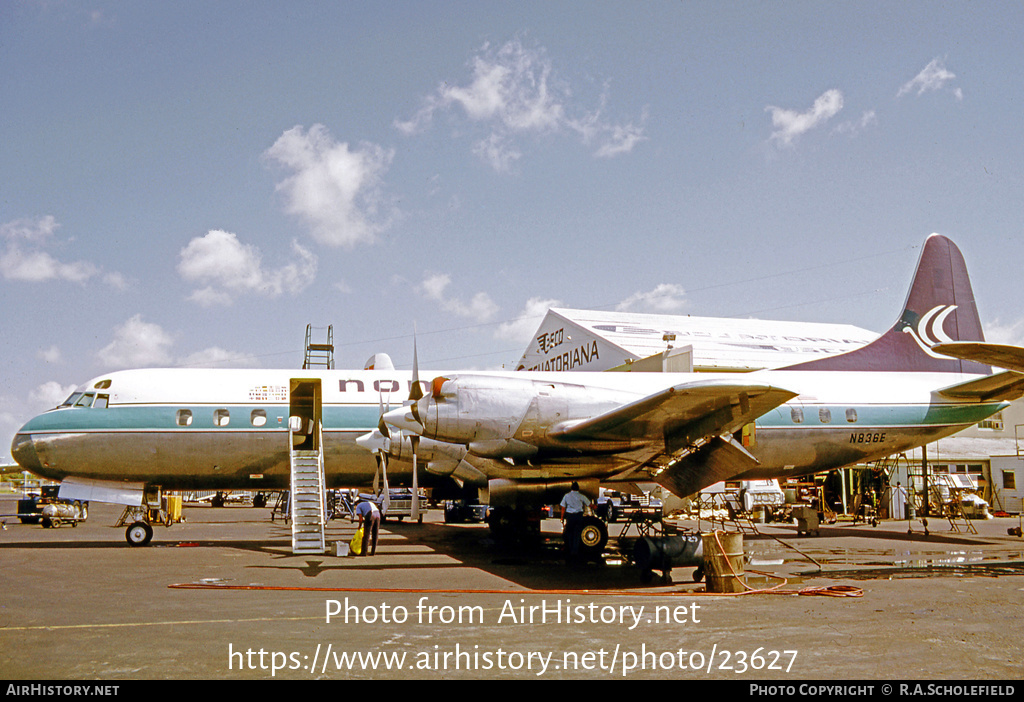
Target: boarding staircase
(307,499)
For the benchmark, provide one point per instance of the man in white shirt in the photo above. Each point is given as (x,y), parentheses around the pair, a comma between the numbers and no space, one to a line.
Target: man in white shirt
(369,519)
(573,506)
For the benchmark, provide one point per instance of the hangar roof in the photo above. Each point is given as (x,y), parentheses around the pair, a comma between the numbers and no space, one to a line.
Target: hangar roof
(593,340)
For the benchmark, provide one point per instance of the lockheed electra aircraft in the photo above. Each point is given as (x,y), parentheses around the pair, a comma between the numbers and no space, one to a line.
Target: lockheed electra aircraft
(525,436)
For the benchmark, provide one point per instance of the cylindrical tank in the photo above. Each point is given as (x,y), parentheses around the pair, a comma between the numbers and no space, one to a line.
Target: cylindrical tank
(723,562)
(666,552)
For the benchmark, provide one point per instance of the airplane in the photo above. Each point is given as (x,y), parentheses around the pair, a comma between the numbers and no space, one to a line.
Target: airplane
(526,436)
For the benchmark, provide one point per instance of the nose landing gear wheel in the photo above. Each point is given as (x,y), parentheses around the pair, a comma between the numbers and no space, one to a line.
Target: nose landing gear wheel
(139,534)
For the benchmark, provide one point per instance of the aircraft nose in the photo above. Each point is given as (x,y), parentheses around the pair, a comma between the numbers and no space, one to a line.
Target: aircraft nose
(24,453)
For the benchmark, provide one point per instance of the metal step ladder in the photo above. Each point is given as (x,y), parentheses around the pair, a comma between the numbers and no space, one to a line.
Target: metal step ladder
(307,501)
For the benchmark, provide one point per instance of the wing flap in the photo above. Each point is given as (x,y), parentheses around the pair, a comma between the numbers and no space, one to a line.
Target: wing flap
(720,459)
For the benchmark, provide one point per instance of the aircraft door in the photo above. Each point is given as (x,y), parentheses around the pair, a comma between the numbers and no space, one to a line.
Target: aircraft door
(305,414)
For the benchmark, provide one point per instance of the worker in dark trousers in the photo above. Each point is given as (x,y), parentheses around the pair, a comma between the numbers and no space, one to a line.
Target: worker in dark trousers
(573,506)
(368,515)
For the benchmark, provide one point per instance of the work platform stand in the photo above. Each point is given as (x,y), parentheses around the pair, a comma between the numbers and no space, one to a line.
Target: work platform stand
(912,480)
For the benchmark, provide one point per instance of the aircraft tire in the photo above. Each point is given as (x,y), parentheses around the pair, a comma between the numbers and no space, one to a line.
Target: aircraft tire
(139,534)
(593,537)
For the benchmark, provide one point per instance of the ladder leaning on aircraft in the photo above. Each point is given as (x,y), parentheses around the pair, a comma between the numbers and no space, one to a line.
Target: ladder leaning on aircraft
(524,437)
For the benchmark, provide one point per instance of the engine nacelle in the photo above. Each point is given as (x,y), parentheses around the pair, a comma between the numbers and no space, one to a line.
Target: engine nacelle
(500,416)
(520,494)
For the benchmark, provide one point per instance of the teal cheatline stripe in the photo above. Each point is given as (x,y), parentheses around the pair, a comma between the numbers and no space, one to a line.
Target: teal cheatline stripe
(884,415)
(165,418)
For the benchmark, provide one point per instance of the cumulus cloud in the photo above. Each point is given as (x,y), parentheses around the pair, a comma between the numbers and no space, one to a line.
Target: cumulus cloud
(336,190)
(25,258)
(854,127)
(50,394)
(514,92)
(227,268)
(663,299)
(789,124)
(521,328)
(141,344)
(50,355)
(137,344)
(934,76)
(1011,333)
(480,308)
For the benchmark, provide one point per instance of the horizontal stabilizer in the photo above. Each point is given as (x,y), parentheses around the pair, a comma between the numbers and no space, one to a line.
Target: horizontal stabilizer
(1006,386)
(999,355)
(1001,387)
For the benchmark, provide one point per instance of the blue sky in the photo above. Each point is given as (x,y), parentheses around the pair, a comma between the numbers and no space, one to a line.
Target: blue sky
(192,183)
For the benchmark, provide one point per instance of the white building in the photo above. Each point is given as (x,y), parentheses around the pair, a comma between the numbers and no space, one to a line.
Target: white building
(588,340)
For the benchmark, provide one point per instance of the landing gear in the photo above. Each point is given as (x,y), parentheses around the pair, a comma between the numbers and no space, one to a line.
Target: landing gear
(139,534)
(593,537)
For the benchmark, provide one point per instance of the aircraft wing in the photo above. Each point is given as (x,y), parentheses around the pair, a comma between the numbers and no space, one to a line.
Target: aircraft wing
(1005,386)
(680,415)
(686,431)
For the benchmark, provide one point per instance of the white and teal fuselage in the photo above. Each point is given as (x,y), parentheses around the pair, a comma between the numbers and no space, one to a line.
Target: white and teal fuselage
(229,429)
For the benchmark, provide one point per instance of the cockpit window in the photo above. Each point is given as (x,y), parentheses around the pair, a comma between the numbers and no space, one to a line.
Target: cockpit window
(85,400)
(72,399)
(102,385)
(101,402)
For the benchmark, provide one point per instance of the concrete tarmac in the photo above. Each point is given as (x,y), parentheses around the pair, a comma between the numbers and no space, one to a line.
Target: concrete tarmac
(221,596)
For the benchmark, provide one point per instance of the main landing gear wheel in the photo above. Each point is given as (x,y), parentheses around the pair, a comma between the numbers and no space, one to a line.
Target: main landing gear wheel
(593,537)
(139,534)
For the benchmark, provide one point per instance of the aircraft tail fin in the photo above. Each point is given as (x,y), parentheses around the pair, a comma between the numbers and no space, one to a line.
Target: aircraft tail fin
(939,309)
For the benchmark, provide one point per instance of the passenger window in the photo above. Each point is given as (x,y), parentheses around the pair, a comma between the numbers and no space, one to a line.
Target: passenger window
(221,417)
(851,415)
(825,415)
(797,413)
(101,401)
(184,418)
(258,417)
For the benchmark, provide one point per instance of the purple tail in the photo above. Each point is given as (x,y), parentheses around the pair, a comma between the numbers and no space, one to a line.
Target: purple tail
(940,308)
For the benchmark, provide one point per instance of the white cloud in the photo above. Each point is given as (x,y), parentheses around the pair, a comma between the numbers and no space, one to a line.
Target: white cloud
(999,333)
(514,92)
(49,395)
(790,124)
(663,299)
(227,268)
(853,128)
(137,344)
(50,355)
(24,259)
(335,190)
(480,308)
(934,76)
(25,256)
(521,328)
(141,344)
